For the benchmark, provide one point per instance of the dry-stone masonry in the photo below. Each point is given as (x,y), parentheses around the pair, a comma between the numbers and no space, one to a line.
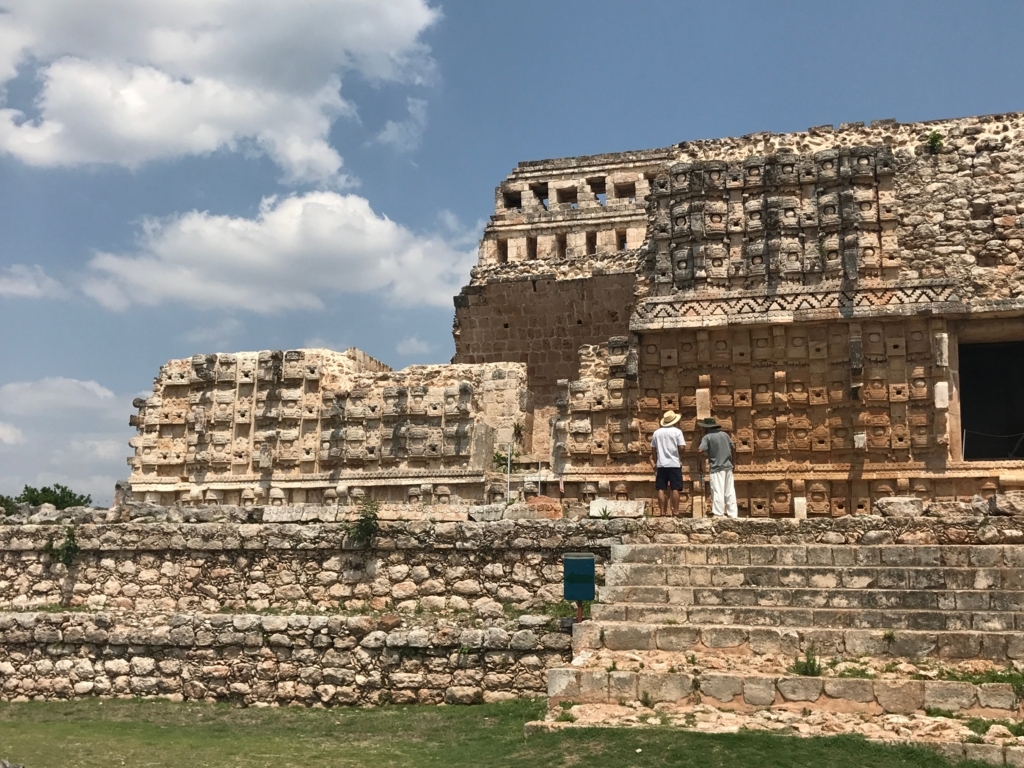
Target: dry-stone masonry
(831,296)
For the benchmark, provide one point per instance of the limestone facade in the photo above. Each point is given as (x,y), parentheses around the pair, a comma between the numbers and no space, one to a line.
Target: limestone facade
(816,292)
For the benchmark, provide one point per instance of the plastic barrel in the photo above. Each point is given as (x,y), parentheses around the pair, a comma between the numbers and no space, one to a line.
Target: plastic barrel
(578,575)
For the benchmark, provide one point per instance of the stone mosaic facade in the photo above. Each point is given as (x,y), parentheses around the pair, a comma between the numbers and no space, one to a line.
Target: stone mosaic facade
(813,291)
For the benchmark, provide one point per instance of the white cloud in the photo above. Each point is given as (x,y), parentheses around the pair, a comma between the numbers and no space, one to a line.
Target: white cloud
(54,396)
(297,253)
(412,346)
(60,430)
(219,334)
(10,434)
(20,280)
(405,135)
(129,81)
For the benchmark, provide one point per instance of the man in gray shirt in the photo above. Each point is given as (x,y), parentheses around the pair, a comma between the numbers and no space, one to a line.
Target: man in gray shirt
(721,453)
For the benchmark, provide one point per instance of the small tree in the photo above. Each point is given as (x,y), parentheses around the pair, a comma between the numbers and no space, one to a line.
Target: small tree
(8,504)
(59,495)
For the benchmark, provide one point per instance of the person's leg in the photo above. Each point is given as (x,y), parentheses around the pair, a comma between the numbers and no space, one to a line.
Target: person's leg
(730,495)
(662,502)
(717,493)
(675,503)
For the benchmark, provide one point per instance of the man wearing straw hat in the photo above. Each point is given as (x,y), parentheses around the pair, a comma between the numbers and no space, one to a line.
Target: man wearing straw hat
(721,453)
(668,469)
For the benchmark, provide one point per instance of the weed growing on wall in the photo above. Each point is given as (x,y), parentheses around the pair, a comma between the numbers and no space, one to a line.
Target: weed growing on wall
(65,551)
(367,525)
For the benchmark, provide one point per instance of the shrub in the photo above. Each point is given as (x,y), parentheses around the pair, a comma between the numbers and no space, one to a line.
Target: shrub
(59,495)
(808,666)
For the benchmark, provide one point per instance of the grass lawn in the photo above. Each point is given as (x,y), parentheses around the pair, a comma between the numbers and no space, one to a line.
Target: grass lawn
(99,734)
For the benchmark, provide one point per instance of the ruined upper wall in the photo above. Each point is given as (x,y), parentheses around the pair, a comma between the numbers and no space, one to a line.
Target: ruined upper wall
(887,219)
(306,424)
(569,218)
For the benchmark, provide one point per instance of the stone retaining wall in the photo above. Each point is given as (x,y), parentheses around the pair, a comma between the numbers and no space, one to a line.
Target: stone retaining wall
(993,700)
(253,659)
(411,565)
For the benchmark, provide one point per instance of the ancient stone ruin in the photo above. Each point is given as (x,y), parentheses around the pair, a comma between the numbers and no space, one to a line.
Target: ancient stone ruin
(847,303)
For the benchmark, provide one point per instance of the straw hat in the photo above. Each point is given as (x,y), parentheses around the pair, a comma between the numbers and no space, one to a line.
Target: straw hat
(670,418)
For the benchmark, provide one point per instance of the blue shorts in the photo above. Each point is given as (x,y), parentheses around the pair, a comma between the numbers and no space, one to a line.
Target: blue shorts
(664,477)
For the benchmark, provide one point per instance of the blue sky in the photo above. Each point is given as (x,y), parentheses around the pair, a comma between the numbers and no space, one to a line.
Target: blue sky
(183,176)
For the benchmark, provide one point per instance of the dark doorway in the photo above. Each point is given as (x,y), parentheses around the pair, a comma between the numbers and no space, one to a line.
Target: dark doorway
(992,400)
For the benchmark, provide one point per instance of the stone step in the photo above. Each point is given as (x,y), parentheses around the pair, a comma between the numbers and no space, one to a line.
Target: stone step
(897,696)
(819,577)
(827,642)
(912,599)
(828,618)
(948,555)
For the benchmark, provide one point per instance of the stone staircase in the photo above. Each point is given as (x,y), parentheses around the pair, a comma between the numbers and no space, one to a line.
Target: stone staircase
(722,623)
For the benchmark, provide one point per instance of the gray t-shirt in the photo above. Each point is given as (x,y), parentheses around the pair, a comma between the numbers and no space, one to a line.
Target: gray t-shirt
(667,441)
(718,446)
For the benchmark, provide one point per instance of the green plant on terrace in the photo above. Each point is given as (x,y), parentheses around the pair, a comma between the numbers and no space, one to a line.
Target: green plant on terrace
(933,141)
(367,525)
(808,666)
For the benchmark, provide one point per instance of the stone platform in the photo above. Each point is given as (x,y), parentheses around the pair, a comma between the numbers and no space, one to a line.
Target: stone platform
(898,629)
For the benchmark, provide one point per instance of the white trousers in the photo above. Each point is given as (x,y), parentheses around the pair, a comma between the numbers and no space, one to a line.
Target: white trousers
(723,494)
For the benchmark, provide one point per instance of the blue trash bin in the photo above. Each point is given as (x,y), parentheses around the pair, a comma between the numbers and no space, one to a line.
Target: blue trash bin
(578,576)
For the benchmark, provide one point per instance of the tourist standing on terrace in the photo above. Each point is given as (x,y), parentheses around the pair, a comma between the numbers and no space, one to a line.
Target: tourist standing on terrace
(668,469)
(721,453)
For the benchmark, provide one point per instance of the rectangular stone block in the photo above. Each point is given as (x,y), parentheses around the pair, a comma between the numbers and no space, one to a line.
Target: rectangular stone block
(984,753)
(866,642)
(996,696)
(722,688)
(563,683)
(723,637)
(667,687)
(948,695)
(593,685)
(617,508)
(900,697)
(631,637)
(622,686)
(779,642)
(759,691)
(800,688)
(850,689)
(677,638)
(585,635)
(1014,756)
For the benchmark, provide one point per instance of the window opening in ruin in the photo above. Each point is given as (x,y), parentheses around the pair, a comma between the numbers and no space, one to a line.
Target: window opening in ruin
(568,195)
(513,200)
(591,243)
(992,400)
(620,239)
(626,190)
(502,251)
(599,188)
(531,248)
(561,246)
(540,191)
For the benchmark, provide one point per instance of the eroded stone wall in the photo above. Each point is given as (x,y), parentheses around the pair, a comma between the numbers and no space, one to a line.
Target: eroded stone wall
(253,659)
(314,426)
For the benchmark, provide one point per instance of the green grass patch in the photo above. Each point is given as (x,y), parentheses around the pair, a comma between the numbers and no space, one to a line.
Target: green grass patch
(980,725)
(152,734)
(1008,675)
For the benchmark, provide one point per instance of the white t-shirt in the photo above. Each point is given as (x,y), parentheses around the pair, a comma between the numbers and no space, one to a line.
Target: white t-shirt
(668,441)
